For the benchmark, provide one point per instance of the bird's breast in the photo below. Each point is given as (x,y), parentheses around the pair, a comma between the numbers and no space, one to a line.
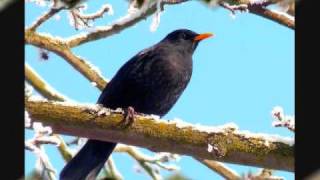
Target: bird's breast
(165,82)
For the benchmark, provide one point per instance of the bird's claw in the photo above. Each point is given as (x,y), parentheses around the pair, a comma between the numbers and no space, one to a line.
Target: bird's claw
(129,115)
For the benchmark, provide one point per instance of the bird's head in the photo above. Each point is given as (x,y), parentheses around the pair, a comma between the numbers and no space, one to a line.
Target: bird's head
(185,39)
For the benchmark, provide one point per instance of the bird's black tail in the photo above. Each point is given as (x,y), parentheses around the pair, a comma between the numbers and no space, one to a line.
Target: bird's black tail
(88,161)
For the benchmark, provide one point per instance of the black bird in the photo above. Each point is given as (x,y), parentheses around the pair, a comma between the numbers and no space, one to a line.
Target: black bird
(151,82)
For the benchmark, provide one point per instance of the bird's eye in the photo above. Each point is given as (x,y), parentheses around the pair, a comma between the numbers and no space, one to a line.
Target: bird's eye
(184,36)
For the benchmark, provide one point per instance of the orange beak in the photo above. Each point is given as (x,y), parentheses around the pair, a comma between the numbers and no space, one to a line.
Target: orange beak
(202,36)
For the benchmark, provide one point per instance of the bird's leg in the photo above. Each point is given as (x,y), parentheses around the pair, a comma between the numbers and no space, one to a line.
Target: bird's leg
(129,114)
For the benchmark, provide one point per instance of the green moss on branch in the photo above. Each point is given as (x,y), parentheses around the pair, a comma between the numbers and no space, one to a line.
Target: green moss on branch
(230,146)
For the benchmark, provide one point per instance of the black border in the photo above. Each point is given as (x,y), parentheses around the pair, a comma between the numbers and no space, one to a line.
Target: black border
(12,90)
(307,89)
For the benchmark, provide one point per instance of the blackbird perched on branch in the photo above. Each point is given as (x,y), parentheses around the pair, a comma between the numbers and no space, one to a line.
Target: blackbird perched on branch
(150,82)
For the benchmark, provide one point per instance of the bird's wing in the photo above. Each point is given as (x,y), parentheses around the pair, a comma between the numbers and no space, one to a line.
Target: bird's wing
(128,83)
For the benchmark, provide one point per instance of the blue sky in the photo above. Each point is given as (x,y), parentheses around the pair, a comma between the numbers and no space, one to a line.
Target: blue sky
(238,76)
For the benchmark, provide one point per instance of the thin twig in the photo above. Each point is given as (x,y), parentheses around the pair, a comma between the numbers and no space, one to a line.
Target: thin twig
(80,19)
(285,124)
(234,8)
(140,158)
(43,18)
(42,136)
(282,120)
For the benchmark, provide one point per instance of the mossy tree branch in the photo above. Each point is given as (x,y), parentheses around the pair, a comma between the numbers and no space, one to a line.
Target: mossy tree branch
(159,135)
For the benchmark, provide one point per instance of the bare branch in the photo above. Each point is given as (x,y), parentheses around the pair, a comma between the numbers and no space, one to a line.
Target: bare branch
(234,8)
(42,158)
(279,17)
(60,48)
(43,18)
(286,124)
(140,158)
(221,169)
(80,19)
(146,162)
(127,21)
(113,169)
(260,8)
(64,149)
(238,147)
(282,120)
(34,144)
(41,85)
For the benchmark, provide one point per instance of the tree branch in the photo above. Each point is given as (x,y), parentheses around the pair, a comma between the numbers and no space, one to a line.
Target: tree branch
(159,135)
(145,161)
(82,20)
(41,85)
(221,169)
(43,18)
(140,159)
(259,8)
(34,144)
(281,18)
(64,149)
(114,173)
(129,20)
(60,48)
(282,120)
